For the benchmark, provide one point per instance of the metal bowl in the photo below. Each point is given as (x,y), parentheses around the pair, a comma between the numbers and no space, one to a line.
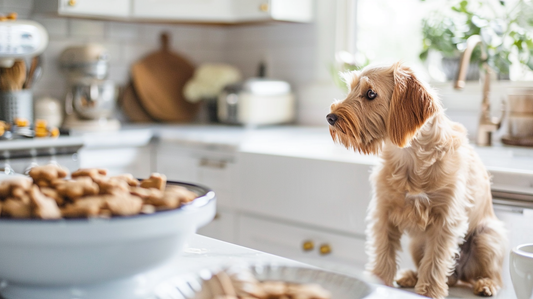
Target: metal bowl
(194,286)
(93,99)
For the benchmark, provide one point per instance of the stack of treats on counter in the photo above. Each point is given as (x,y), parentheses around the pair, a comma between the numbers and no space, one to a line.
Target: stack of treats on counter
(47,194)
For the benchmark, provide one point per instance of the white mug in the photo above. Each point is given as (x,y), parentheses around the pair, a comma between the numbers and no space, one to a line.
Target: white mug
(521,267)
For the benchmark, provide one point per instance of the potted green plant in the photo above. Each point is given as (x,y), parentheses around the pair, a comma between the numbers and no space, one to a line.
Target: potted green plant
(505,28)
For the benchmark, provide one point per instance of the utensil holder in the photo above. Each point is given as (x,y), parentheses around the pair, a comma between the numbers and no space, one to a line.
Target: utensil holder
(16,104)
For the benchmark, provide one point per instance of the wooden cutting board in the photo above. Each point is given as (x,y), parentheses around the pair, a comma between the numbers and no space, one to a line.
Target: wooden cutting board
(129,103)
(158,80)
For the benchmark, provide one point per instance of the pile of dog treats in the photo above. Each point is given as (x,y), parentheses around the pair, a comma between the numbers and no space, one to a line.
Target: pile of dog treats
(47,194)
(243,285)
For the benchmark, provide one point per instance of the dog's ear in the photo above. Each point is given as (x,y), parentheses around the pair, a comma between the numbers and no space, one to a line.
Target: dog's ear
(410,106)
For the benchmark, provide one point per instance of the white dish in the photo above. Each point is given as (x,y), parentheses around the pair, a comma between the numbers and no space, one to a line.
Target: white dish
(62,253)
(521,268)
(340,286)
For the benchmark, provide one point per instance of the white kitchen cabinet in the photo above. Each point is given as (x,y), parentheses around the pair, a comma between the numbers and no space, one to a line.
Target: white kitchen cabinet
(196,164)
(200,10)
(225,11)
(197,11)
(211,167)
(223,227)
(519,225)
(85,8)
(322,248)
(327,194)
(134,160)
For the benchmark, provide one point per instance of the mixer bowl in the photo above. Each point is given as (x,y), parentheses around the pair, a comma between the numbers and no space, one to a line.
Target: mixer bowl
(93,99)
(55,253)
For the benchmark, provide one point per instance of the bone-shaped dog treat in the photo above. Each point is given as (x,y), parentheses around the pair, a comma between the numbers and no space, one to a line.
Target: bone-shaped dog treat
(128,178)
(52,193)
(124,205)
(146,209)
(93,173)
(16,209)
(89,206)
(7,186)
(82,186)
(310,291)
(43,207)
(148,195)
(47,172)
(112,185)
(156,180)
(185,195)
(89,194)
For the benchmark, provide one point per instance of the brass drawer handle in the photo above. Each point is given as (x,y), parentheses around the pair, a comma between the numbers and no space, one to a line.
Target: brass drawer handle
(212,163)
(325,249)
(71,2)
(308,245)
(264,7)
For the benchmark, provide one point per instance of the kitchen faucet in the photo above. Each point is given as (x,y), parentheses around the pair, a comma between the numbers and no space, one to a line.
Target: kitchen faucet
(487,124)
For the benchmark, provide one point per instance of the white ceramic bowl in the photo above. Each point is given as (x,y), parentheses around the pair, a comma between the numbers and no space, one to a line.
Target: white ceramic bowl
(521,268)
(194,286)
(88,251)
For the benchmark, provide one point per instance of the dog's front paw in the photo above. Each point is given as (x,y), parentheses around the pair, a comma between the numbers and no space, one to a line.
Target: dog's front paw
(485,287)
(431,290)
(408,279)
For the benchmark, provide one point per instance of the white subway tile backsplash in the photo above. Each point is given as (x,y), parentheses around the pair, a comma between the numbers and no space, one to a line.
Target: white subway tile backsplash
(56,27)
(134,51)
(120,74)
(87,28)
(118,31)
(287,48)
(24,4)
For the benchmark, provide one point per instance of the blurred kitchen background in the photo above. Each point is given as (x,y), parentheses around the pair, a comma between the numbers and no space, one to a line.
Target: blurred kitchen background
(300,48)
(252,82)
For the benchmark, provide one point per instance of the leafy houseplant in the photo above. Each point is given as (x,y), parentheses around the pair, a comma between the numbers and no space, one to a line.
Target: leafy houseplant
(505,29)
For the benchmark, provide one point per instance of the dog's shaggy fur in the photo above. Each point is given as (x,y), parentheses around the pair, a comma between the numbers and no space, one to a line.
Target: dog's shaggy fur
(430,184)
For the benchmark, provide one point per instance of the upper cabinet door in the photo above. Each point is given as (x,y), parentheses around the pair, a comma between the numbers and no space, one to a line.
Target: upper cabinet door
(224,11)
(197,11)
(279,10)
(85,8)
(184,10)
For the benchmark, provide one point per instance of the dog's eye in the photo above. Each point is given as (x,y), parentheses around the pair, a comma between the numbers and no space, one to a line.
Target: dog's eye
(370,94)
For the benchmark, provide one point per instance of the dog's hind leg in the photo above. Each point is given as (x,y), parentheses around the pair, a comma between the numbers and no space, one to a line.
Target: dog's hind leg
(484,266)
(409,278)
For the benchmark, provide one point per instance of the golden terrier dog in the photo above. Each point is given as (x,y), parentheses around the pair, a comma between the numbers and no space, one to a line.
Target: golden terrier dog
(430,184)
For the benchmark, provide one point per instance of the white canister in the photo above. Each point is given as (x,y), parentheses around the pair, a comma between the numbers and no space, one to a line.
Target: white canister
(49,109)
(521,268)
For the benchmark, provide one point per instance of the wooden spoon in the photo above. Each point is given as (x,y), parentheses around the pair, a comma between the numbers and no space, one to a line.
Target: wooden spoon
(12,78)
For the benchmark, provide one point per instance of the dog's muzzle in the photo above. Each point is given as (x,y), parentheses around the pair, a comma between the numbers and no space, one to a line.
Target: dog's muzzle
(331,118)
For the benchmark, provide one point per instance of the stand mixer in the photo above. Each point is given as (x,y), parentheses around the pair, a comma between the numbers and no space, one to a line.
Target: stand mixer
(91,98)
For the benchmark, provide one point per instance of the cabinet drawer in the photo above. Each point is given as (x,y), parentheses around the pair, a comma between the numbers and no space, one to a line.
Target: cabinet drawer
(136,161)
(221,228)
(210,168)
(329,194)
(199,10)
(347,253)
(114,8)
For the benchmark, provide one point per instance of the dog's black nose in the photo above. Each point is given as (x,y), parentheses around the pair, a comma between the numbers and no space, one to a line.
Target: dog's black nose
(332,118)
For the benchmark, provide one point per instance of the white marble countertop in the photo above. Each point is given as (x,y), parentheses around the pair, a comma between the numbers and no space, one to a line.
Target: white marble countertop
(294,141)
(206,253)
